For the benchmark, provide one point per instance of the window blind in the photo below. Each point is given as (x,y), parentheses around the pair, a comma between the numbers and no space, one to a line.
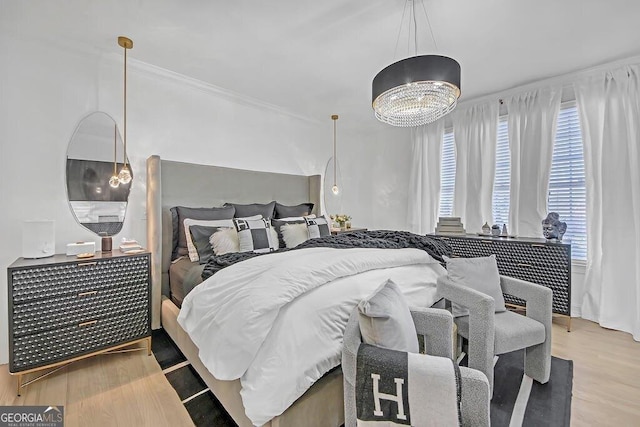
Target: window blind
(567,191)
(447,175)
(501,183)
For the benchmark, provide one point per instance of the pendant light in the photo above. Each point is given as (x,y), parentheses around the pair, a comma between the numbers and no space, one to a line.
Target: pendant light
(125,174)
(114,181)
(416,90)
(335,189)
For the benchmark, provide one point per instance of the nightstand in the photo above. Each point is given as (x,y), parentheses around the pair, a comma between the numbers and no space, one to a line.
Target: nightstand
(63,309)
(348,230)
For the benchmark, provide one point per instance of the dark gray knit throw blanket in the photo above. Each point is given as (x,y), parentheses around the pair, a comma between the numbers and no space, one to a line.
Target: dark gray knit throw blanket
(382,239)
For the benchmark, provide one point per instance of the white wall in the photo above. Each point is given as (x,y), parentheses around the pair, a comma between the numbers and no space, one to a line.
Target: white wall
(46,90)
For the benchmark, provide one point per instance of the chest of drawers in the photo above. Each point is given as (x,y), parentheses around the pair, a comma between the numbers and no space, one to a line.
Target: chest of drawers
(63,309)
(535,260)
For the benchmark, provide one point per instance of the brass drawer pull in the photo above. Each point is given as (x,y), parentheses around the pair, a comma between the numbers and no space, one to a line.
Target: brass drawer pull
(85,294)
(524,265)
(87,264)
(89,323)
(486,241)
(534,245)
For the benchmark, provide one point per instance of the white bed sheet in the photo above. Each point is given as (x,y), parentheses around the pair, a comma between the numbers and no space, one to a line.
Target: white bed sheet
(276,321)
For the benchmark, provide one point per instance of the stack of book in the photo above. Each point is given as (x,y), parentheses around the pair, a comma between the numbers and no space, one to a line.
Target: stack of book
(449,225)
(130,246)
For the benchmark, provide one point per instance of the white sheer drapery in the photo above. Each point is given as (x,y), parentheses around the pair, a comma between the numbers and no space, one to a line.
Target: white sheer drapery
(424,181)
(532,119)
(475,131)
(609,108)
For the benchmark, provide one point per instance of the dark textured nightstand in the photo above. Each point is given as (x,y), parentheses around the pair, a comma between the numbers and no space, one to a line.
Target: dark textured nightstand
(63,309)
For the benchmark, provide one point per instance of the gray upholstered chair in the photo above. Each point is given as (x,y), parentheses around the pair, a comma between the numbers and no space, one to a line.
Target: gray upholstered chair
(491,333)
(436,325)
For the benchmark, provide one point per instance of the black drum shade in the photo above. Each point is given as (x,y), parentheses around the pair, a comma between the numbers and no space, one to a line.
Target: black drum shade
(417,90)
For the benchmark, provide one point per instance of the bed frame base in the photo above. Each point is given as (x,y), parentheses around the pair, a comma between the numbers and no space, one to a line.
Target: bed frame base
(322,405)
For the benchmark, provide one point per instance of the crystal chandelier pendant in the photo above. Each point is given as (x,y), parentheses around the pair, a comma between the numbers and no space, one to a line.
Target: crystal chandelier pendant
(416,91)
(114,181)
(124,177)
(335,190)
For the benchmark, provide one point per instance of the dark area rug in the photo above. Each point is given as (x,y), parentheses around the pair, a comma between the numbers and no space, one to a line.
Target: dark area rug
(202,406)
(547,404)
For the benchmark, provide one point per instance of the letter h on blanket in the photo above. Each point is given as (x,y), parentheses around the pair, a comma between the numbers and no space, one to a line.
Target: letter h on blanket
(377,395)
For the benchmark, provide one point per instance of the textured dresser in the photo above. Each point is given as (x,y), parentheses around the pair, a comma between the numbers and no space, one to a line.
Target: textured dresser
(540,261)
(63,309)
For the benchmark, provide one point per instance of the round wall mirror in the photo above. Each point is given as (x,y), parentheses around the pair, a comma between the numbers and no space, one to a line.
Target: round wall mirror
(94,153)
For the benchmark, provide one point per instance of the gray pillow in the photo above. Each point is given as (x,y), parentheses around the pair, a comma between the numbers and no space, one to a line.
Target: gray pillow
(385,320)
(480,274)
(182,212)
(200,235)
(283,211)
(264,209)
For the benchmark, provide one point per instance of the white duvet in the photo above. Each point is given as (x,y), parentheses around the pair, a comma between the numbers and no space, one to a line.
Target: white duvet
(277,321)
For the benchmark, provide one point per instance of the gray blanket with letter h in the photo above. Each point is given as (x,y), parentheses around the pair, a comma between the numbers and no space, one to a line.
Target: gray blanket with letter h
(395,388)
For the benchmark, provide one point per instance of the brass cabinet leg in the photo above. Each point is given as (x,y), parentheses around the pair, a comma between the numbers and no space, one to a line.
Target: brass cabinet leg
(149,346)
(19,382)
(569,324)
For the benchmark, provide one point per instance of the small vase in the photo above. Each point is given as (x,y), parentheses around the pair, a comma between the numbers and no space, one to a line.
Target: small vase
(343,226)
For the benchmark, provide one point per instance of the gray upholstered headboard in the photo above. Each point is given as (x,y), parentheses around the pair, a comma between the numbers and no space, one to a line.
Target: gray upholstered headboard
(186,184)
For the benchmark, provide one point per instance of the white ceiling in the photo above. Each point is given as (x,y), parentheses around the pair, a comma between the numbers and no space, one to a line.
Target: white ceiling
(319,57)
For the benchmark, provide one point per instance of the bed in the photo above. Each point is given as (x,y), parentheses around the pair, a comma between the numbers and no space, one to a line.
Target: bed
(174,183)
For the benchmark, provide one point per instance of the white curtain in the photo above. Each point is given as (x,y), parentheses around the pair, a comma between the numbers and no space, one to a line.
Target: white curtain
(424,183)
(609,108)
(475,132)
(532,120)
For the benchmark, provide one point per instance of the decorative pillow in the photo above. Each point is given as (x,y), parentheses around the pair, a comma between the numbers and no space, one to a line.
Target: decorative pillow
(480,274)
(317,227)
(225,241)
(283,211)
(385,320)
(294,233)
(188,223)
(254,235)
(277,224)
(182,212)
(201,238)
(265,210)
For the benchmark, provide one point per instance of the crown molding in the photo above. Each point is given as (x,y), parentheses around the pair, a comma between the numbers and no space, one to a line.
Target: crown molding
(153,71)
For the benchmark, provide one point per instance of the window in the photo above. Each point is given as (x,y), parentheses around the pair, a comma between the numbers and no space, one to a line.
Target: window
(567,192)
(501,183)
(447,174)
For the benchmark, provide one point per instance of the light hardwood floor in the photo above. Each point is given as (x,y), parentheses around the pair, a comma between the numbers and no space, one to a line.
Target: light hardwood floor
(606,373)
(108,390)
(130,389)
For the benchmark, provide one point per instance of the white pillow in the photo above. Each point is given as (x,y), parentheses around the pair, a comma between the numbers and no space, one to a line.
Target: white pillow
(480,274)
(193,252)
(227,241)
(385,320)
(294,234)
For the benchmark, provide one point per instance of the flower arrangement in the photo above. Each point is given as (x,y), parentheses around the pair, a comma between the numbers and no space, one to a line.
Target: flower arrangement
(341,219)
